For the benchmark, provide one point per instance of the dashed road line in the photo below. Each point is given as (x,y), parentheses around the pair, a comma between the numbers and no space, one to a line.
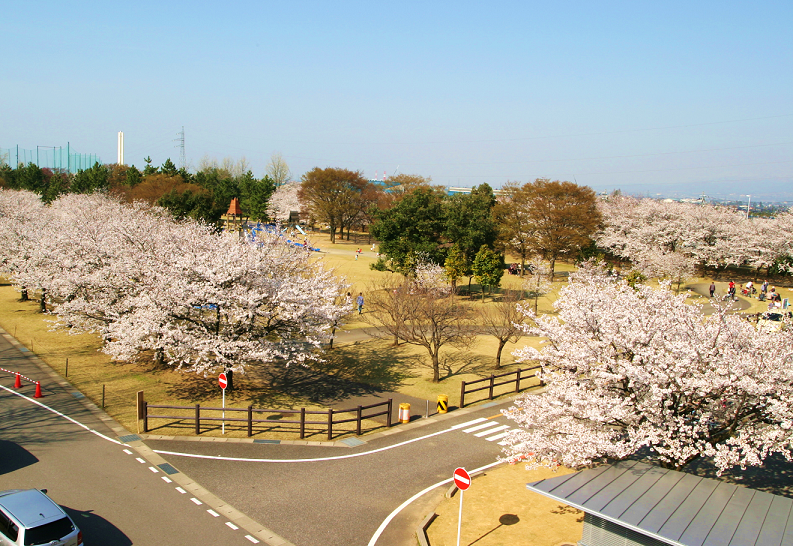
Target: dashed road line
(213,513)
(249,537)
(128,452)
(234,527)
(182,491)
(153,469)
(195,500)
(166,479)
(142,461)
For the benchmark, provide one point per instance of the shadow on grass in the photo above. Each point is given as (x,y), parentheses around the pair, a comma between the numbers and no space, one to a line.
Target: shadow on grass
(349,371)
(353,370)
(459,363)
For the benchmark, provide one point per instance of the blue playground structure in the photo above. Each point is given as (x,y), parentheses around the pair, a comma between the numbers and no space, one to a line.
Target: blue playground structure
(274,229)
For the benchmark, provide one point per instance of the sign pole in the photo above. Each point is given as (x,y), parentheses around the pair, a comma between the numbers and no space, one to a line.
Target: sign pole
(224,411)
(462,480)
(460,517)
(223,382)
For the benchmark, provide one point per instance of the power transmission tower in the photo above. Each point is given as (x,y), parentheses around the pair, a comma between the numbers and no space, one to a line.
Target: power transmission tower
(180,140)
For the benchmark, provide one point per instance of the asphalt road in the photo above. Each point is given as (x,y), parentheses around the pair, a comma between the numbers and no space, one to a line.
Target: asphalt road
(113,498)
(341,501)
(339,496)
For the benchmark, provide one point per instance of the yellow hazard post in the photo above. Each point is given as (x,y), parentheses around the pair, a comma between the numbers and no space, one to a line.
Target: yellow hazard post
(404,412)
(443,403)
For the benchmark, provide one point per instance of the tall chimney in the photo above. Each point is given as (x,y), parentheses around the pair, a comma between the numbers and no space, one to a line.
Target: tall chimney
(120,147)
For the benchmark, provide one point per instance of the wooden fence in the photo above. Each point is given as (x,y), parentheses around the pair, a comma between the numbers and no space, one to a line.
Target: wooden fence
(330,416)
(465,388)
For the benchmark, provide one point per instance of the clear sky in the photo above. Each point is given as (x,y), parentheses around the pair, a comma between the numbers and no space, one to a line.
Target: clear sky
(642,96)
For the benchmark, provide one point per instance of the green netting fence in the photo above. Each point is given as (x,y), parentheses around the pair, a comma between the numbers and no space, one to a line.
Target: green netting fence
(62,158)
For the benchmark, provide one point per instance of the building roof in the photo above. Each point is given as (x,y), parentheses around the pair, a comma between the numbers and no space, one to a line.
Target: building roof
(675,507)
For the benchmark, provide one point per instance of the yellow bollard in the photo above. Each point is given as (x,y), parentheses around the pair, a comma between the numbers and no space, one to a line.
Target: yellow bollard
(443,403)
(404,412)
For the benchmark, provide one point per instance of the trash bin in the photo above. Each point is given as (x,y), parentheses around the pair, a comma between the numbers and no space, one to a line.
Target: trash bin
(404,412)
(443,403)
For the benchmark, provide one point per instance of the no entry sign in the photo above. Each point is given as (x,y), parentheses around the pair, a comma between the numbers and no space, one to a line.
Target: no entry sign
(461,479)
(222,381)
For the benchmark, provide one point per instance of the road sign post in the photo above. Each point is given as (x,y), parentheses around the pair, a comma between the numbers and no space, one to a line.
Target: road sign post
(463,481)
(223,382)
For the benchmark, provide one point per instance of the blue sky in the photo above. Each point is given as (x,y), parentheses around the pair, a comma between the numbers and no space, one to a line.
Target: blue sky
(646,97)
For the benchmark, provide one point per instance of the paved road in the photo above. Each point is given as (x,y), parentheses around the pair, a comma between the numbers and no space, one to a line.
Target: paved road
(338,497)
(114,498)
(345,494)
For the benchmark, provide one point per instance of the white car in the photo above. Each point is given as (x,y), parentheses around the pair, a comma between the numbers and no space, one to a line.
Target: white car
(28,517)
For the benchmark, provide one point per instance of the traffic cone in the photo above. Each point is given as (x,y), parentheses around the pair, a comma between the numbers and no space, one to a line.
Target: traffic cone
(38,390)
(18,382)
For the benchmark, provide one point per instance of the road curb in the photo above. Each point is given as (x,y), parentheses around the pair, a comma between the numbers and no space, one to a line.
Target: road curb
(239,519)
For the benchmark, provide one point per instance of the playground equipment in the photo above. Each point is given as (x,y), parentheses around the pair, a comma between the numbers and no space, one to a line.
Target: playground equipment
(274,229)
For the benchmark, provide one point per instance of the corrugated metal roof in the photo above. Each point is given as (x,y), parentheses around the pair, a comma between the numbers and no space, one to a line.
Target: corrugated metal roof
(674,507)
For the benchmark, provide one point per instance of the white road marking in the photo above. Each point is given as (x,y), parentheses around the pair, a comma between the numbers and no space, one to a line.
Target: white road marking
(142,461)
(480,427)
(249,537)
(128,452)
(467,423)
(59,414)
(319,459)
(153,469)
(402,506)
(497,437)
(232,525)
(166,479)
(195,500)
(213,513)
(491,431)
(182,491)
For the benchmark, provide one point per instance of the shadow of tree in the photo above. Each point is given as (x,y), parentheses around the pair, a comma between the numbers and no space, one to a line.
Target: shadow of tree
(348,371)
(352,370)
(775,476)
(458,363)
(14,457)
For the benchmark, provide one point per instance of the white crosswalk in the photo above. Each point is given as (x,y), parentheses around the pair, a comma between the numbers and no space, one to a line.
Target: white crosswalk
(484,428)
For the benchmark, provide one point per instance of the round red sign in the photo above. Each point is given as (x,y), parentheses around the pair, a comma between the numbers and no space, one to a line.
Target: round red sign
(222,381)
(461,479)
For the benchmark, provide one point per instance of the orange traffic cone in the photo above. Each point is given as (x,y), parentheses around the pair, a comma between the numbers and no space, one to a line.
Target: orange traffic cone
(18,383)
(38,390)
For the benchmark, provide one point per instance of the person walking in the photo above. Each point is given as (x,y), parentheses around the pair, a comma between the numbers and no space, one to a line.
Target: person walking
(712,288)
(360,302)
(731,290)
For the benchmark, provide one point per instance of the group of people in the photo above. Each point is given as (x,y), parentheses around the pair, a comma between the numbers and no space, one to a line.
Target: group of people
(748,290)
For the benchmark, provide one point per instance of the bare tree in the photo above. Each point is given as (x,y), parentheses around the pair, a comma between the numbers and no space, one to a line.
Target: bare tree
(502,320)
(278,170)
(426,316)
(387,309)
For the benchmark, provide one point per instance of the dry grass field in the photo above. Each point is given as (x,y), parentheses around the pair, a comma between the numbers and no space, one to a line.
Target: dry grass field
(498,510)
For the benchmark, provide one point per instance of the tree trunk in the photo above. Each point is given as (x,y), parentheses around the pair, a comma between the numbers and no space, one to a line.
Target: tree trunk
(536,298)
(436,367)
(501,343)
(553,265)
(24,295)
(333,234)
(230,380)
(43,301)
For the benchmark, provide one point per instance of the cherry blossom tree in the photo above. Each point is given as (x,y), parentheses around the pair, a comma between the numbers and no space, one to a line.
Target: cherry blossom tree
(284,201)
(23,216)
(641,369)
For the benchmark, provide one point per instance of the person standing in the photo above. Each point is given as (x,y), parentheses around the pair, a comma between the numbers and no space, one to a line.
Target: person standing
(712,288)
(731,290)
(360,302)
